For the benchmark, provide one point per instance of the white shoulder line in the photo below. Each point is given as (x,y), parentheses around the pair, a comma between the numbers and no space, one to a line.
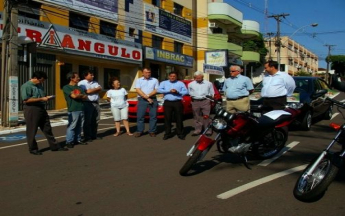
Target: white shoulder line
(258,182)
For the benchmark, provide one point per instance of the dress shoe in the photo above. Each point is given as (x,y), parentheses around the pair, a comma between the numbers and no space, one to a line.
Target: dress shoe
(181,137)
(152,134)
(69,145)
(35,152)
(86,140)
(167,137)
(80,143)
(60,149)
(97,138)
(138,134)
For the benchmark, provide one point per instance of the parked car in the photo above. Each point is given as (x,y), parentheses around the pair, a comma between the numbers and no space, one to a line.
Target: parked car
(187,106)
(309,96)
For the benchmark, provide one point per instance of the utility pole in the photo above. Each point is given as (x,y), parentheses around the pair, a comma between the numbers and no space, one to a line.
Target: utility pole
(328,78)
(278,18)
(9,68)
(270,34)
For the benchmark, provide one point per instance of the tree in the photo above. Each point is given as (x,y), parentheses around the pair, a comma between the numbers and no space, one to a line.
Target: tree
(302,73)
(338,64)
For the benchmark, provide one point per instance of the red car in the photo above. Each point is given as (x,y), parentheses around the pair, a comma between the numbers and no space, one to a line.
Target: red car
(187,106)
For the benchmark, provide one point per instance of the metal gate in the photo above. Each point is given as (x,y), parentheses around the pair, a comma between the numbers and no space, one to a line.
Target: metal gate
(45,63)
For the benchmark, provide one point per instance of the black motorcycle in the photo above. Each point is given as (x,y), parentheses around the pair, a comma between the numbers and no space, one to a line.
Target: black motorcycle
(319,174)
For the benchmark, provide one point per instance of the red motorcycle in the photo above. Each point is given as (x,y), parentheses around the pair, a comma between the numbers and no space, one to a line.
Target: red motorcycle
(238,133)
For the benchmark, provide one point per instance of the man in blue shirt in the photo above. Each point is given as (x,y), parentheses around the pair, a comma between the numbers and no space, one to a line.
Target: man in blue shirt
(237,89)
(173,91)
(146,87)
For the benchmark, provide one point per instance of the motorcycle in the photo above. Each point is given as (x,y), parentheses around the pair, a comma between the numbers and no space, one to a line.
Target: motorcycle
(319,174)
(240,132)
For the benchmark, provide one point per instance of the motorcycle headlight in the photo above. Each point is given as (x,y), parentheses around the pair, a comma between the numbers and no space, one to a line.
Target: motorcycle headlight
(295,105)
(219,124)
(160,103)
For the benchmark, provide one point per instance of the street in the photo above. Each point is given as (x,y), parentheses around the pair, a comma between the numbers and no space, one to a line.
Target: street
(139,176)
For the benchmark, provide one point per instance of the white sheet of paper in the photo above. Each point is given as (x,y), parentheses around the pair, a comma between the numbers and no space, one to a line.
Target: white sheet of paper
(276,114)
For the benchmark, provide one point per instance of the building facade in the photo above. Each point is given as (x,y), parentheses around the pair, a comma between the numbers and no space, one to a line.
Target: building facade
(220,34)
(112,38)
(294,57)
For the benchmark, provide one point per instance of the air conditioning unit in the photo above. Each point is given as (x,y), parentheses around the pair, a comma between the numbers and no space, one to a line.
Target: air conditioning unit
(212,25)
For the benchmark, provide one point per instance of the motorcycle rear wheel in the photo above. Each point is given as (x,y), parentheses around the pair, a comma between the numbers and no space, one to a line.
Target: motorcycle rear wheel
(190,162)
(268,148)
(310,188)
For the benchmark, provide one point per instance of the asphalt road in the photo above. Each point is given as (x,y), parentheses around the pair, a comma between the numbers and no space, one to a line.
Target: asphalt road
(139,176)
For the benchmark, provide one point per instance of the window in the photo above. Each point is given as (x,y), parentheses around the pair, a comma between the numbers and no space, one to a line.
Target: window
(108,29)
(156,3)
(178,9)
(131,32)
(178,47)
(79,21)
(110,74)
(30,10)
(157,42)
(217,30)
(64,70)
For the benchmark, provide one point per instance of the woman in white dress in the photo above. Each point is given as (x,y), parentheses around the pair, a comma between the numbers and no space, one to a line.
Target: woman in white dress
(119,106)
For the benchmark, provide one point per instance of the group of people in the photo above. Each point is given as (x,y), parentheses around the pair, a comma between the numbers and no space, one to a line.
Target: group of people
(82,105)
(82,99)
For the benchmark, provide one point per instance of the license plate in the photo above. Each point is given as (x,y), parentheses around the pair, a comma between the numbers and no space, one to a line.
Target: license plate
(257,114)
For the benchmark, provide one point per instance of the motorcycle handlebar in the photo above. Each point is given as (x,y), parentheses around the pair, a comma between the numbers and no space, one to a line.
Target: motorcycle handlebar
(338,103)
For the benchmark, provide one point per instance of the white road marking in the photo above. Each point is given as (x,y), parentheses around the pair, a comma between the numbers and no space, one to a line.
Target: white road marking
(283,151)
(42,140)
(258,182)
(334,115)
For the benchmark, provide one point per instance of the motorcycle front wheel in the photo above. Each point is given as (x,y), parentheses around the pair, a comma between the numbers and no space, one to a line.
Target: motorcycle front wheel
(311,187)
(190,162)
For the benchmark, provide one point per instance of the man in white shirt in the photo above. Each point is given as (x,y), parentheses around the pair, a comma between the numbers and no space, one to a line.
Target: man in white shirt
(92,110)
(277,86)
(198,90)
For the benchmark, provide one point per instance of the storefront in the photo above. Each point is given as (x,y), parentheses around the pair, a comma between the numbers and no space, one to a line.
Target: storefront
(75,50)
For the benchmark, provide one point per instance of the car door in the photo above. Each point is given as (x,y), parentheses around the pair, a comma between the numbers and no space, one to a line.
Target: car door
(318,103)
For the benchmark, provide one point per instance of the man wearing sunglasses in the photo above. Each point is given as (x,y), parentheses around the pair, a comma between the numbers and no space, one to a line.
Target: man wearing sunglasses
(237,89)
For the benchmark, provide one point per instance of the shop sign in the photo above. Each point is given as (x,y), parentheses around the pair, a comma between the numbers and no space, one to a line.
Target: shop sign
(210,69)
(169,57)
(162,22)
(76,41)
(217,58)
(100,8)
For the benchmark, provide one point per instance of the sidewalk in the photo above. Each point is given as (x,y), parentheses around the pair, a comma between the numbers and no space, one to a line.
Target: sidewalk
(57,118)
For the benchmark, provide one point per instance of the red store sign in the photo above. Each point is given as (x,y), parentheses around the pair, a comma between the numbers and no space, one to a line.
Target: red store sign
(82,44)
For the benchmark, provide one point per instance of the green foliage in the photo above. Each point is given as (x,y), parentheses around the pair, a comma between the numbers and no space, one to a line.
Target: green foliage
(302,73)
(338,64)
(257,45)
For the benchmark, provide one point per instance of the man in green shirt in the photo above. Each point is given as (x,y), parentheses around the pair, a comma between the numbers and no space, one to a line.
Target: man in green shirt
(74,96)
(35,114)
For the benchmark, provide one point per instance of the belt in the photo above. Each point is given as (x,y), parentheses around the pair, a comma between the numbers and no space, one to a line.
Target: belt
(233,99)
(96,102)
(272,98)
(172,101)
(198,99)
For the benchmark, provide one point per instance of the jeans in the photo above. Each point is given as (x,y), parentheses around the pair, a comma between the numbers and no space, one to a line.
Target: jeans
(142,106)
(74,127)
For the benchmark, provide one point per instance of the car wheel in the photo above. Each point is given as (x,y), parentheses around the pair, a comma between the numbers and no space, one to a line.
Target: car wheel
(329,113)
(306,122)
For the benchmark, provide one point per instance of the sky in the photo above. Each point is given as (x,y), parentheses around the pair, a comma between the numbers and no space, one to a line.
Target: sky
(328,14)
